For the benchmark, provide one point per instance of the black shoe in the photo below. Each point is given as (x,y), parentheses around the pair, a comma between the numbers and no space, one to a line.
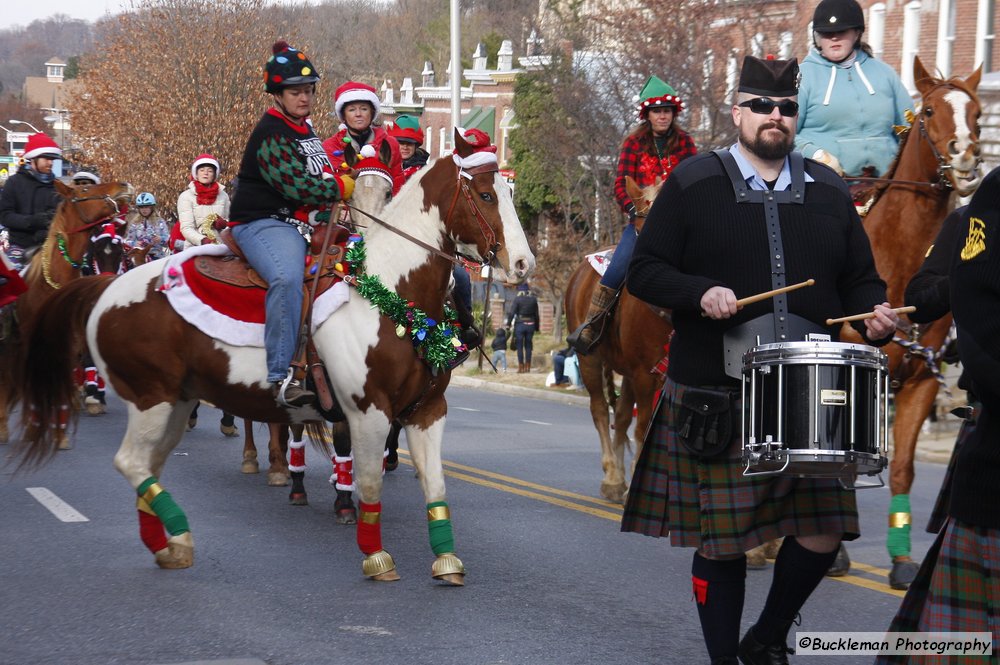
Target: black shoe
(291,393)
(841,565)
(753,652)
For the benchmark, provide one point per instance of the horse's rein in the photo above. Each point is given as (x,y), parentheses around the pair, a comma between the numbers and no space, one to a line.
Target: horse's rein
(404,234)
(107,197)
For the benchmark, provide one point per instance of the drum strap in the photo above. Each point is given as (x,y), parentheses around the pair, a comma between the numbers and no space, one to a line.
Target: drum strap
(771,200)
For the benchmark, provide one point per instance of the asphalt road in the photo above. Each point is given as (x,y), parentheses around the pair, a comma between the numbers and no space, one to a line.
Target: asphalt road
(551,580)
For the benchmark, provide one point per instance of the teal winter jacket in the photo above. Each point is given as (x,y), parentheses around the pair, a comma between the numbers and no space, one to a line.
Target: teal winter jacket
(850,112)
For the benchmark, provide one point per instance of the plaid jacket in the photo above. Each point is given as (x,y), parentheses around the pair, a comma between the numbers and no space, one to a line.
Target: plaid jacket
(645,167)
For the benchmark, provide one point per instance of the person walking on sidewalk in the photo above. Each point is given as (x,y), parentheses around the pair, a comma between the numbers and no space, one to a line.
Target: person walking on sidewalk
(524,316)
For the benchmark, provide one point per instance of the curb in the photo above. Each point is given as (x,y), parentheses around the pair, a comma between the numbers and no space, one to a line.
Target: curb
(520,391)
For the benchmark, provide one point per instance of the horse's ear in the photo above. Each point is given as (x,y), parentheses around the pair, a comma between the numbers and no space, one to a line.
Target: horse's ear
(973,81)
(923,80)
(462,147)
(633,190)
(385,153)
(65,191)
(350,155)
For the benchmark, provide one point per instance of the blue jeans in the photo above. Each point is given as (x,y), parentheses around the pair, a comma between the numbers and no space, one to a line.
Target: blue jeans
(277,251)
(523,340)
(614,276)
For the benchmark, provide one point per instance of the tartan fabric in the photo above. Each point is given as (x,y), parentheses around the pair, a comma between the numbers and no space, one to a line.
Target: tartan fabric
(956,589)
(644,167)
(940,512)
(711,505)
(281,167)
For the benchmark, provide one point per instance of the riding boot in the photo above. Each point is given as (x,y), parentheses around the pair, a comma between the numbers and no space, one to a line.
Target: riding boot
(470,334)
(584,338)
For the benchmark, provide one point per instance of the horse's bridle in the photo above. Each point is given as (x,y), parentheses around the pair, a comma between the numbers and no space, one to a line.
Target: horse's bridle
(463,187)
(61,240)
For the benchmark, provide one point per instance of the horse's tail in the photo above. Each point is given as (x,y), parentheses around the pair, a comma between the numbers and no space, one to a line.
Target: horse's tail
(45,372)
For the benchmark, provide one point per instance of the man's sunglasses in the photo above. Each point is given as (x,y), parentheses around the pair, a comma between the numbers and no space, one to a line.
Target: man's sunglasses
(764,106)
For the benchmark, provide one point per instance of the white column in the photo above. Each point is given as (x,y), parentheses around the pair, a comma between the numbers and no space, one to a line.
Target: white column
(911,40)
(456,66)
(732,76)
(985,34)
(876,29)
(945,36)
(785,46)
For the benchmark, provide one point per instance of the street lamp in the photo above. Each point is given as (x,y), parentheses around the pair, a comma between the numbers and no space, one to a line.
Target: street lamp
(23,122)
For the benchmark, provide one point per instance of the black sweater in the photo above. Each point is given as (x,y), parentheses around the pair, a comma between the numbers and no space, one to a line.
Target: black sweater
(697,237)
(975,302)
(27,207)
(928,288)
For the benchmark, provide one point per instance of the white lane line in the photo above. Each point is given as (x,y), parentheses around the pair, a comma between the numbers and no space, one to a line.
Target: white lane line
(465,408)
(535,422)
(56,506)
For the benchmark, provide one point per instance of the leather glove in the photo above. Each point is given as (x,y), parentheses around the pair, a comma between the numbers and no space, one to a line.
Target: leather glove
(824,157)
(220,223)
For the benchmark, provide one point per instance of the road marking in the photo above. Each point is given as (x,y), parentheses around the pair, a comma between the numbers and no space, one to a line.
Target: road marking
(365,630)
(56,506)
(535,422)
(465,408)
(615,515)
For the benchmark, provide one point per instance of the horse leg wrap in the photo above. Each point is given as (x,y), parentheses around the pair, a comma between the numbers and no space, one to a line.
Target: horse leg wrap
(297,455)
(898,540)
(150,527)
(163,506)
(370,527)
(343,473)
(439,528)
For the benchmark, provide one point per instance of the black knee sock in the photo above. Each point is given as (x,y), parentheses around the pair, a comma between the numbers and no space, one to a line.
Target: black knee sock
(797,573)
(718,592)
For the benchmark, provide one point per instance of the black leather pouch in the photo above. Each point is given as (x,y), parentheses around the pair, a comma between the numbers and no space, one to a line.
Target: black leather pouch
(705,421)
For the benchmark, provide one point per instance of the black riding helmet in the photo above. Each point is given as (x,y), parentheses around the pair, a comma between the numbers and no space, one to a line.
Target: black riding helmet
(838,15)
(288,66)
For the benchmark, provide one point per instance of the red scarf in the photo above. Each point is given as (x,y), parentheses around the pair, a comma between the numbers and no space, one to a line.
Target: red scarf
(206,194)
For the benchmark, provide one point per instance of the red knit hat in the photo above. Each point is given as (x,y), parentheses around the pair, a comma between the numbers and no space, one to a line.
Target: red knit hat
(204,159)
(353,91)
(40,145)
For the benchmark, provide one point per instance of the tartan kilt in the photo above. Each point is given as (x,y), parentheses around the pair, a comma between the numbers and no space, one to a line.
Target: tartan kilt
(955,590)
(711,505)
(940,512)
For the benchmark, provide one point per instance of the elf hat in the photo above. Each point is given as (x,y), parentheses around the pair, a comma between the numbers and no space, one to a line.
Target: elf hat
(204,159)
(40,145)
(406,129)
(656,93)
(288,66)
(353,91)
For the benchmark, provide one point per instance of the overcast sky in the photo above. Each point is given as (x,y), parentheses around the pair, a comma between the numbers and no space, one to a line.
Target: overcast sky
(23,12)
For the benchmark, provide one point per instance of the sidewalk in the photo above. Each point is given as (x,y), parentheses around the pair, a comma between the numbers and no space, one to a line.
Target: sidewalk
(934,444)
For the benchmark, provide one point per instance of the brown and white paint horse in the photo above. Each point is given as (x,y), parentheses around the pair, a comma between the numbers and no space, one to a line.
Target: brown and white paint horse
(58,262)
(939,156)
(632,345)
(160,365)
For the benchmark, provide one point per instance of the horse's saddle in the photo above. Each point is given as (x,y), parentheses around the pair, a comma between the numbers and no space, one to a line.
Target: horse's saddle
(234,269)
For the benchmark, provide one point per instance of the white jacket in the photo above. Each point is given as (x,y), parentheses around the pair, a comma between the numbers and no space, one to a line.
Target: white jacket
(191,215)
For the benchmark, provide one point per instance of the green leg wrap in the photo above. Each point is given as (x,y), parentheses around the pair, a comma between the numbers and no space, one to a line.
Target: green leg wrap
(898,540)
(439,528)
(173,518)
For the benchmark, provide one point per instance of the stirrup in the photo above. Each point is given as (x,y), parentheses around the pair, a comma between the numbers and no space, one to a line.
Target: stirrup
(288,381)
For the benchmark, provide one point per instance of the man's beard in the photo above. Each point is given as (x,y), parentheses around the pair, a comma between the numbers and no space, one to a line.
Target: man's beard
(770,148)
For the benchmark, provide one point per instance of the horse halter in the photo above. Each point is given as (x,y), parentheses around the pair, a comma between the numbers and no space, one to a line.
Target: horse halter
(943,165)
(463,188)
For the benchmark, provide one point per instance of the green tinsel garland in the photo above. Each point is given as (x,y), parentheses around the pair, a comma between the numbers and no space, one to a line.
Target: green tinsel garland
(436,342)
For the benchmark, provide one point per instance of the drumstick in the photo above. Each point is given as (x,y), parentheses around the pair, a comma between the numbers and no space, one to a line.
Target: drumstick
(770,294)
(869,315)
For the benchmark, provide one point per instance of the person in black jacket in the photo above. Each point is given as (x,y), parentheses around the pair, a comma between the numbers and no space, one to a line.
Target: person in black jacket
(29,199)
(729,224)
(524,315)
(956,586)
(499,347)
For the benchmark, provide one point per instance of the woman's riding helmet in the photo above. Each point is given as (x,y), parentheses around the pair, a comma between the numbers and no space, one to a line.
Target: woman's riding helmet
(288,66)
(838,15)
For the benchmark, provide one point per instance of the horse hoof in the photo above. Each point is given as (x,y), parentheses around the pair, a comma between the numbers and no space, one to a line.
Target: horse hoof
(250,466)
(229,430)
(449,569)
(614,492)
(192,423)
(94,407)
(902,574)
(64,442)
(380,566)
(347,515)
(298,499)
(841,565)
(179,553)
(277,479)
(771,548)
(391,463)
(756,560)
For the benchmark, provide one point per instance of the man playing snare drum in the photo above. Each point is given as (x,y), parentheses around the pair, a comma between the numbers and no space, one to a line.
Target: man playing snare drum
(727,225)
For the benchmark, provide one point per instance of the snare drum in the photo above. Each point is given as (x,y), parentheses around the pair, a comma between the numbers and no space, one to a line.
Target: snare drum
(815,410)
